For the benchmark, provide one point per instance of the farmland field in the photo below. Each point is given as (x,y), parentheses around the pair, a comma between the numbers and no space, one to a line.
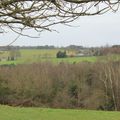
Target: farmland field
(49,55)
(42,55)
(16,113)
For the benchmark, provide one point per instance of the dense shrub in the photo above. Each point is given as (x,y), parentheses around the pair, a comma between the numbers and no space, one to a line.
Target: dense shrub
(61,54)
(84,85)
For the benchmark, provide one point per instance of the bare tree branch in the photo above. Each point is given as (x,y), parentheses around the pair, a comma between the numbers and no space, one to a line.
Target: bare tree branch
(40,15)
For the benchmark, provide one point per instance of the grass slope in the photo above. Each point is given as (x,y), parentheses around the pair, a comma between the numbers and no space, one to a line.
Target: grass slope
(12,113)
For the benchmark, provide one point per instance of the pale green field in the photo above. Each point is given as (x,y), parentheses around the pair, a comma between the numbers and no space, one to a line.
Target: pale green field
(16,113)
(38,52)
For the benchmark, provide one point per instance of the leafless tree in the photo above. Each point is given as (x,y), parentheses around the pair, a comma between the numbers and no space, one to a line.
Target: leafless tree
(41,15)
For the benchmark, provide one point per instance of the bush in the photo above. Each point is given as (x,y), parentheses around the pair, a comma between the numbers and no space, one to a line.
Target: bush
(61,54)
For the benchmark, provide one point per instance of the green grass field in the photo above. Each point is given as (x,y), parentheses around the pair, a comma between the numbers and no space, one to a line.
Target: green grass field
(53,60)
(16,113)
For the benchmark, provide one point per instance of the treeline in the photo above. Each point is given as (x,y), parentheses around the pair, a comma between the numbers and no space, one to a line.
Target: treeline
(4,48)
(84,85)
(41,47)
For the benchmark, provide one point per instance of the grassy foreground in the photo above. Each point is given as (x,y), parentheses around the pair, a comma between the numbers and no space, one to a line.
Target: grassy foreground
(15,113)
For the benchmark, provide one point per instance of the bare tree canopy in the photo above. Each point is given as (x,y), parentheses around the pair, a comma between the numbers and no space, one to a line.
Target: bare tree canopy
(40,15)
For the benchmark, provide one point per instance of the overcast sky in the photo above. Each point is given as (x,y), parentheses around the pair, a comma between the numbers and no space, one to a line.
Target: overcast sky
(91,31)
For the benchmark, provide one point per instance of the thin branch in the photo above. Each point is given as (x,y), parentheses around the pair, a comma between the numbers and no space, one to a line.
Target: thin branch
(40,15)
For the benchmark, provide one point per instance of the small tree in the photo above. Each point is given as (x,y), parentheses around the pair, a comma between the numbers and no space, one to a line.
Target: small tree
(61,54)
